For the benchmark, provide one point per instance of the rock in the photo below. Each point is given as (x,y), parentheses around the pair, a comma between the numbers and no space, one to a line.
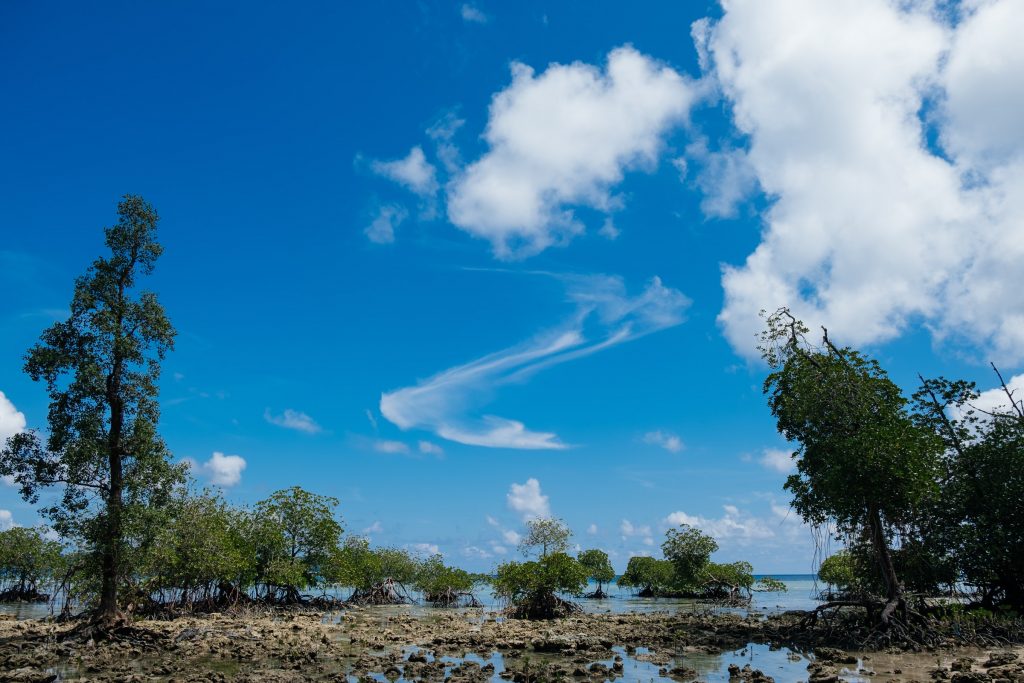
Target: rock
(1000,659)
(27,674)
(831,654)
(970,677)
(680,673)
(962,664)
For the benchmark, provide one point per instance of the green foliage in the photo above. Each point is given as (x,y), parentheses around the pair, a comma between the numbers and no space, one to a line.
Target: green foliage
(531,587)
(863,461)
(598,566)
(549,535)
(101,367)
(441,584)
(977,530)
(650,576)
(28,562)
(294,536)
(727,579)
(769,584)
(689,550)
(200,552)
(837,570)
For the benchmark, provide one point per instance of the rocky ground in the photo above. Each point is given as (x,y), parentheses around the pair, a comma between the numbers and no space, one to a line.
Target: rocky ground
(436,645)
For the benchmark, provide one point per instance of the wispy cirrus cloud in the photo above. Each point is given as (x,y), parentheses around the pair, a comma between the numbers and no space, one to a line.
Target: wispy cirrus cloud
(604,315)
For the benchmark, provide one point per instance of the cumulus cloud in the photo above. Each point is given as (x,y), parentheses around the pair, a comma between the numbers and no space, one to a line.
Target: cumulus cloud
(222,470)
(393,447)
(667,440)
(374,528)
(734,525)
(381,229)
(592,529)
(562,139)
(725,178)
(413,172)
(472,15)
(604,316)
(870,226)
(293,419)
(777,459)
(475,552)
(12,421)
(995,401)
(512,537)
(424,548)
(6,520)
(629,529)
(527,500)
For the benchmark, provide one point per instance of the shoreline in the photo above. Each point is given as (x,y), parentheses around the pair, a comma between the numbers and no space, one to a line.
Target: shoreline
(468,645)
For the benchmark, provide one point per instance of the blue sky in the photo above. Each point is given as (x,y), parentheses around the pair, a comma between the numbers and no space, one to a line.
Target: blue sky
(459,264)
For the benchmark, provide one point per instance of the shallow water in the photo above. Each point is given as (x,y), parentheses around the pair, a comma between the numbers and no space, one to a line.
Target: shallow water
(782,664)
(801,594)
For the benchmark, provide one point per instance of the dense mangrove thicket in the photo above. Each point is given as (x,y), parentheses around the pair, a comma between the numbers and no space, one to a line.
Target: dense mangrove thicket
(924,492)
(201,554)
(30,562)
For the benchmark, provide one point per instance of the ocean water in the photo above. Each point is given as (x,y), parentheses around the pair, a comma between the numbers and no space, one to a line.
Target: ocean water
(801,593)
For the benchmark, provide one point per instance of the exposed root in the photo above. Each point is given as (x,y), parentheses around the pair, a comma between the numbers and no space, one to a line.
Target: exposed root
(20,594)
(599,594)
(452,598)
(387,592)
(542,606)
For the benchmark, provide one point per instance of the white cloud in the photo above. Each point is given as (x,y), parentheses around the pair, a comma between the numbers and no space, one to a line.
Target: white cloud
(726,179)
(777,459)
(472,15)
(527,500)
(592,529)
(512,537)
(629,529)
(6,520)
(667,440)
(492,521)
(870,229)
(413,172)
(429,448)
(222,470)
(293,419)
(424,548)
(995,401)
(385,446)
(382,229)
(475,552)
(604,316)
(12,421)
(498,549)
(734,525)
(374,528)
(608,229)
(561,139)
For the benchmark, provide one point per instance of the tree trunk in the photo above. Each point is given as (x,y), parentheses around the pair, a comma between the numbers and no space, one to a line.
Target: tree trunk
(108,612)
(894,592)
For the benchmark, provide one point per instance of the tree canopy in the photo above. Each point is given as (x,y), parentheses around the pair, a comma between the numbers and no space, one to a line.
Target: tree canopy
(101,367)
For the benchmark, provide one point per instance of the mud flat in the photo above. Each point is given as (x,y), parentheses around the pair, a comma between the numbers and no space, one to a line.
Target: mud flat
(471,645)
